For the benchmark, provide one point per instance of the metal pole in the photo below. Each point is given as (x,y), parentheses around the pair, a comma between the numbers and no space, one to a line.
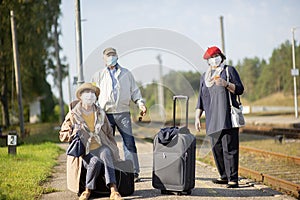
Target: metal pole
(294,68)
(222,34)
(79,43)
(160,84)
(69,85)
(17,72)
(59,71)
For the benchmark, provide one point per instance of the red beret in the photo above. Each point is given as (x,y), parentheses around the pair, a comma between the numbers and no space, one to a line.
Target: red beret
(211,51)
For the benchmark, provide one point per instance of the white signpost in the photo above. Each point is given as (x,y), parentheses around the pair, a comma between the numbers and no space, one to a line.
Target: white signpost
(12,141)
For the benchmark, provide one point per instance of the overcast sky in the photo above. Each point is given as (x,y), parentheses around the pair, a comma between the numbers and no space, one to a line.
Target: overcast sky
(251,27)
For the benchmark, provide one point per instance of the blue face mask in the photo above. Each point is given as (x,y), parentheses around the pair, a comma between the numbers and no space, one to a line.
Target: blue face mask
(111,60)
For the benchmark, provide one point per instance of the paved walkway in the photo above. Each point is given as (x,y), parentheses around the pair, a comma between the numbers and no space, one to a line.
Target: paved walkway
(204,188)
(283,121)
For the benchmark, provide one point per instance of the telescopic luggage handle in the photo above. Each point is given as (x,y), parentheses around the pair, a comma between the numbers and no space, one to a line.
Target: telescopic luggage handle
(186,107)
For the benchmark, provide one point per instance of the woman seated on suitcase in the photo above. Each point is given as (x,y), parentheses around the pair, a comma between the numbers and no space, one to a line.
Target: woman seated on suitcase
(90,123)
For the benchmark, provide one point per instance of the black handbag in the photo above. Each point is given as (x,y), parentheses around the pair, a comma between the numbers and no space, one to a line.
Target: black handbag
(76,147)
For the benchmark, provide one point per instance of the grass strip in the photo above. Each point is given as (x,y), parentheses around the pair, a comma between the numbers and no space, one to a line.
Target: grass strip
(22,175)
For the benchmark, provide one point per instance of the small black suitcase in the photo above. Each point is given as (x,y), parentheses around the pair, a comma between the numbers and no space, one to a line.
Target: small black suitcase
(124,177)
(174,161)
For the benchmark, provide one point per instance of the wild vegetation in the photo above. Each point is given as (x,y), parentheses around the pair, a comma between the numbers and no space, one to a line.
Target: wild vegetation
(35,26)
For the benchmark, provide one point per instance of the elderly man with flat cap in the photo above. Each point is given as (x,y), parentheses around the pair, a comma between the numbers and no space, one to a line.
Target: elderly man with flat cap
(118,88)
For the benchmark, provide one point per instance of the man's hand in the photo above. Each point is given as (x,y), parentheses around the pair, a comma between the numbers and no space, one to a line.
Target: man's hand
(143,109)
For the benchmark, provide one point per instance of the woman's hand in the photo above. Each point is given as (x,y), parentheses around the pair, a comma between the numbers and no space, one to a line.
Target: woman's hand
(198,114)
(220,82)
(197,124)
(76,128)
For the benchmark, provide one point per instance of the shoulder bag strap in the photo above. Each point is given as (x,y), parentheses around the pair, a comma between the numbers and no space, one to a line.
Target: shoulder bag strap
(230,101)
(227,77)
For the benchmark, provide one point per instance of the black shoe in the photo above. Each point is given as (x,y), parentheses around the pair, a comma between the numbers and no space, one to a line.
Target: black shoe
(232,185)
(136,178)
(220,181)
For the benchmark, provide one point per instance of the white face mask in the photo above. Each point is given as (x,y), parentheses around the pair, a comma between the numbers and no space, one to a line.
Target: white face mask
(111,61)
(214,62)
(88,98)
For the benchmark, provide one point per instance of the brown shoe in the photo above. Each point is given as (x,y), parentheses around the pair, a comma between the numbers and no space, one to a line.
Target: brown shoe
(115,196)
(85,195)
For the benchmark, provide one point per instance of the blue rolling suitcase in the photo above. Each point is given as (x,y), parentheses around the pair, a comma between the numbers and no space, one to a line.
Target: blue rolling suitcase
(174,157)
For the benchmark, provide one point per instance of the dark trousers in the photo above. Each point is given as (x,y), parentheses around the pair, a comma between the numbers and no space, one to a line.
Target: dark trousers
(225,148)
(122,122)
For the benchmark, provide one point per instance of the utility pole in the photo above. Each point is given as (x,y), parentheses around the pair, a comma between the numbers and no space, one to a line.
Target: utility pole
(69,85)
(160,85)
(294,72)
(79,43)
(59,72)
(17,72)
(222,34)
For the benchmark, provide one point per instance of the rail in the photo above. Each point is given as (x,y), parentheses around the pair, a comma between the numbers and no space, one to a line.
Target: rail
(293,159)
(274,182)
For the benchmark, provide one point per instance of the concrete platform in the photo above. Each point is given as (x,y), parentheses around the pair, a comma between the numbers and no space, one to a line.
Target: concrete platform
(282,121)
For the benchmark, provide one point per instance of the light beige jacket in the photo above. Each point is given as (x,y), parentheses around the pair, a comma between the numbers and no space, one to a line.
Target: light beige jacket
(102,129)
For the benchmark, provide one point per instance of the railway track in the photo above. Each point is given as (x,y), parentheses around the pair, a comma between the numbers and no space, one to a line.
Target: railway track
(279,171)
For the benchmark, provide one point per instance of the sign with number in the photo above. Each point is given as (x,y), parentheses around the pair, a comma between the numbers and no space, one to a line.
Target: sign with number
(295,72)
(11,140)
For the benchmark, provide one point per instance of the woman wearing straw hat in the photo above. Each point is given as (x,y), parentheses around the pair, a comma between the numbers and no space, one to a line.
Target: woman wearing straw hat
(91,124)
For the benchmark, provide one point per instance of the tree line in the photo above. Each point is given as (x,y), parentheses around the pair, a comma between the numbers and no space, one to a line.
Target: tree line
(37,29)
(260,77)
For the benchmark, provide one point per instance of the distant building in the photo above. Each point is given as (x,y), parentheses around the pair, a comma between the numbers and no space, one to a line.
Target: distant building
(35,112)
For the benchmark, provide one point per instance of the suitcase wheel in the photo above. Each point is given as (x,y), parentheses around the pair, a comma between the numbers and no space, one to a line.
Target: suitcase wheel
(169,192)
(186,192)
(164,192)
(179,193)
